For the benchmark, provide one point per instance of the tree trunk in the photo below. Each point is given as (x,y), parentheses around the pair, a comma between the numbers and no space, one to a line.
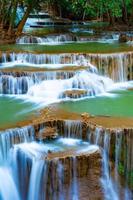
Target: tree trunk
(124,12)
(131,17)
(110,18)
(22,22)
(13,17)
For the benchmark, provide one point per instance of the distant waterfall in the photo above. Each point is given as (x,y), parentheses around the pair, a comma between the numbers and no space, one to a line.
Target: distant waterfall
(49,40)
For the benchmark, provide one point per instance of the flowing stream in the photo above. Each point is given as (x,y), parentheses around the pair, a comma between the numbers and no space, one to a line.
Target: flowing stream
(27,169)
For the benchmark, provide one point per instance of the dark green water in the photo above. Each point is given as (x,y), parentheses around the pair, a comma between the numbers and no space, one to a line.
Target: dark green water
(14,110)
(88,47)
(119,103)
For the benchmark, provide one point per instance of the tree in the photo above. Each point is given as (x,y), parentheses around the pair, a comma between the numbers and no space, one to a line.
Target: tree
(8,14)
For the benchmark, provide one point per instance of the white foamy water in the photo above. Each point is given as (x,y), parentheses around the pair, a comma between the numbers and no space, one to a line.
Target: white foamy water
(53,91)
(48,40)
(8,190)
(122,86)
(117,66)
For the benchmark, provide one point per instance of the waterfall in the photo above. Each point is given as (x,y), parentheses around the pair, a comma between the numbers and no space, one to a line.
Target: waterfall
(15,85)
(118,143)
(8,187)
(49,40)
(39,178)
(74,187)
(102,139)
(118,66)
(72,129)
(52,91)
(13,136)
(121,143)
(65,38)
(35,179)
(20,83)
(107,182)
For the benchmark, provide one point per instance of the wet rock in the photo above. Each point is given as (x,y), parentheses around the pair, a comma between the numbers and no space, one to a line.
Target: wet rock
(46,133)
(75,93)
(123,38)
(84,168)
(85,117)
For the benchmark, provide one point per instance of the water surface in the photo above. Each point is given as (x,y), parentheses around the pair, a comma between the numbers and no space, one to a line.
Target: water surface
(117,103)
(13,110)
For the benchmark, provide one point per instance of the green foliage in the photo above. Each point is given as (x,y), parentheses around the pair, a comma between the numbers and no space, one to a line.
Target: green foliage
(121,168)
(89,9)
(109,10)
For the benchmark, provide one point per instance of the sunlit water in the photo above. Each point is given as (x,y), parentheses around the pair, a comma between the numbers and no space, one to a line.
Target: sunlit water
(13,110)
(117,103)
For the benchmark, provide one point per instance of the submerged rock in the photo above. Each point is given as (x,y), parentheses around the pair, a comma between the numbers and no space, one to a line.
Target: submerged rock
(75,93)
(47,133)
(125,38)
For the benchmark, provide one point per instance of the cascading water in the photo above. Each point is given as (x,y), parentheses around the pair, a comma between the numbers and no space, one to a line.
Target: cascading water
(107,182)
(36,176)
(116,66)
(12,136)
(8,187)
(15,85)
(53,91)
(19,83)
(66,38)
(27,170)
(72,129)
(49,40)
(116,147)
(50,87)
(112,184)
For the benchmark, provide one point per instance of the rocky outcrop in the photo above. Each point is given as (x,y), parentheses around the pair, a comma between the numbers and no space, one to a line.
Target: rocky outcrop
(67,173)
(6,38)
(46,133)
(83,170)
(125,38)
(75,93)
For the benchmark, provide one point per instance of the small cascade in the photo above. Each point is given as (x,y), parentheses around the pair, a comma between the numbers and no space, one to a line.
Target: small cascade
(13,136)
(117,147)
(37,59)
(39,168)
(73,129)
(15,85)
(117,66)
(49,40)
(42,172)
(20,83)
(53,91)
(103,139)
(8,186)
(74,189)
(107,182)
